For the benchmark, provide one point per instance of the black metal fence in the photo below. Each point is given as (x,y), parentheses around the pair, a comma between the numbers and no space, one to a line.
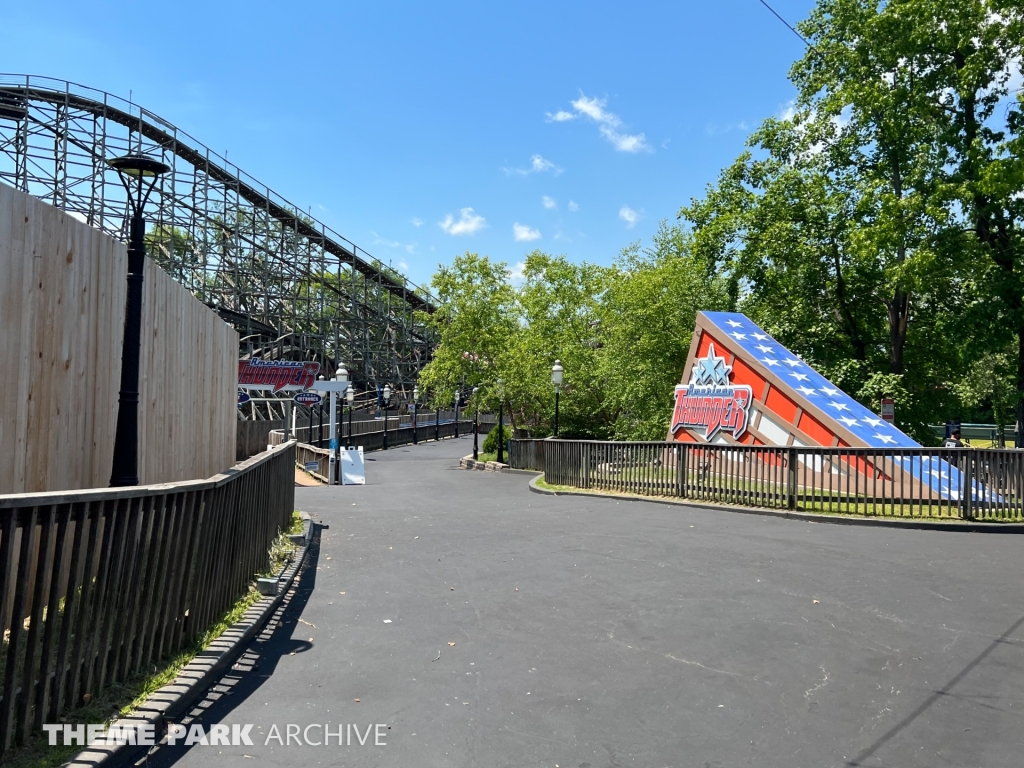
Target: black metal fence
(98,584)
(965,483)
(374,441)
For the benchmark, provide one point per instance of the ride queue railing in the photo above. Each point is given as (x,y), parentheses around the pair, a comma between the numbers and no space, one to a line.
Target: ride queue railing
(964,483)
(96,585)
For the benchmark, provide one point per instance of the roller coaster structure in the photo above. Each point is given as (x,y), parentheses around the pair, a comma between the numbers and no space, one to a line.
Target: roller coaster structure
(292,287)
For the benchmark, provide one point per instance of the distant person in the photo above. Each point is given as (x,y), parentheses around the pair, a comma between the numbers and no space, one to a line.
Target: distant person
(954,441)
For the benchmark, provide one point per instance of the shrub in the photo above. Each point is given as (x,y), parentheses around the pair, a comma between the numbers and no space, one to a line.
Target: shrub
(491,441)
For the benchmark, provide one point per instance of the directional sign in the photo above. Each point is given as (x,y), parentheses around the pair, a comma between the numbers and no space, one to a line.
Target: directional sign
(888,409)
(312,466)
(307,398)
(243,398)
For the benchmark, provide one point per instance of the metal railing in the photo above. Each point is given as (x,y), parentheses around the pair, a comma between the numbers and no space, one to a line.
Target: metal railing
(96,585)
(374,441)
(986,484)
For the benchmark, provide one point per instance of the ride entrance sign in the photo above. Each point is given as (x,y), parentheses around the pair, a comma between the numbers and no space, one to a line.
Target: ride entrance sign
(742,387)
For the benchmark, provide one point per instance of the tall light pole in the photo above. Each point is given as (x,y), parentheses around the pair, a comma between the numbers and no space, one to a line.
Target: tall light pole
(437,423)
(415,410)
(340,375)
(476,424)
(138,173)
(501,422)
(556,378)
(350,395)
(386,396)
(456,413)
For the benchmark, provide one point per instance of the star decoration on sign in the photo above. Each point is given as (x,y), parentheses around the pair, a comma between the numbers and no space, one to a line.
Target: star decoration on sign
(839,406)
(711,369)
(848,421)
(792,363)
(760,336)
(874,422)
(799,376)
(830,391)
(769,362)
(738,336)
(765,348)
(734,324)
(884,438)
(808,391)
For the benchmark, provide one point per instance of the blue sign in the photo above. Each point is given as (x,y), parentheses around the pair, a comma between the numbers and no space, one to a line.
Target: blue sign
(334,443)
(243,398)
(307,398)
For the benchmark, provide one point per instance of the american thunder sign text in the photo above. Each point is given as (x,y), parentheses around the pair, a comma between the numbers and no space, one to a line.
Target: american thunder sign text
(710,401)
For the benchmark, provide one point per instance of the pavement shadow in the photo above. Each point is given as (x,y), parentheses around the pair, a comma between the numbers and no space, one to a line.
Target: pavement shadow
(945,690)
(279,638)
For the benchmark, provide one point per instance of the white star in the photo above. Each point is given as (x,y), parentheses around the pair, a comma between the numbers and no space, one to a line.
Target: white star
(839,406)
(799,376)
(830,391)
(766,349)
(738,336)
(769,362)
(791,362)
(734,324)
(848,421)
(874,422)
(884,438)
(759,336)
(808,391)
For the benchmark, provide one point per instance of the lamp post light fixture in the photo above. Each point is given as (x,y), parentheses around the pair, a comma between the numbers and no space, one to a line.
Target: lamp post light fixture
(557,372)
(501,422)
(476,424)
(386,395)
(415,410)
(138,174)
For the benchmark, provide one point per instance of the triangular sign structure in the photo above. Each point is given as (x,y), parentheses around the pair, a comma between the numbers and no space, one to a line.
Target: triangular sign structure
(742,386)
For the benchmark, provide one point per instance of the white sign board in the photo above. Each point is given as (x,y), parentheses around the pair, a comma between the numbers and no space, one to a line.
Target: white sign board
(888,409)
(352,471)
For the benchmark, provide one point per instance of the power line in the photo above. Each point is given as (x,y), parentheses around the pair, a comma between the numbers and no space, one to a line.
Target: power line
(790,26)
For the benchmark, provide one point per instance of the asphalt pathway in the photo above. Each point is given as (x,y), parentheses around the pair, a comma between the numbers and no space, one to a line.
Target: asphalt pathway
(485,625)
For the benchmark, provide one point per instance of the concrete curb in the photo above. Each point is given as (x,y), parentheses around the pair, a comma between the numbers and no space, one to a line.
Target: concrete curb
(174,700)
(468,462)
(807,517)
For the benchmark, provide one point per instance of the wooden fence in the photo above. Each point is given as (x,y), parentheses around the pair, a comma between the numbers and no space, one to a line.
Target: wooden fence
(96,585)
(62,296)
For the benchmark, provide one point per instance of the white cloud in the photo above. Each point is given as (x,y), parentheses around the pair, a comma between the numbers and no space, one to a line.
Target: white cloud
(630,216)
(524,234)
(608,123)
(518,272)
(469,223)
(573,207)
(378,240)
(410,248)
(416,221)
(403,266)
(560,116)
(788,110)
(548,202)
(538,164)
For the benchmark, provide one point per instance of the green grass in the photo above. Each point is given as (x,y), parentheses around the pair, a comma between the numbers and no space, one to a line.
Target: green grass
(120,699)
(841,507)
(487,456)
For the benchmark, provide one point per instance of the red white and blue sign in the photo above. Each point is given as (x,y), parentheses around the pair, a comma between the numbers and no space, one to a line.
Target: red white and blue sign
(710,402)
(307,398)
(744,387)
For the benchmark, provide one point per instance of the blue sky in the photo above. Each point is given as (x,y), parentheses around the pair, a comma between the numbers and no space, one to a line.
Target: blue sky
(420,131)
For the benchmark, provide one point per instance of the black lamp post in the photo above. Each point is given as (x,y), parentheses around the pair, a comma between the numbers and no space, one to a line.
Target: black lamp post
(501,422)
(138,173)
(456,414)
(476,424)
(386,395)
(437,423)
(556,378)
(415,411)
